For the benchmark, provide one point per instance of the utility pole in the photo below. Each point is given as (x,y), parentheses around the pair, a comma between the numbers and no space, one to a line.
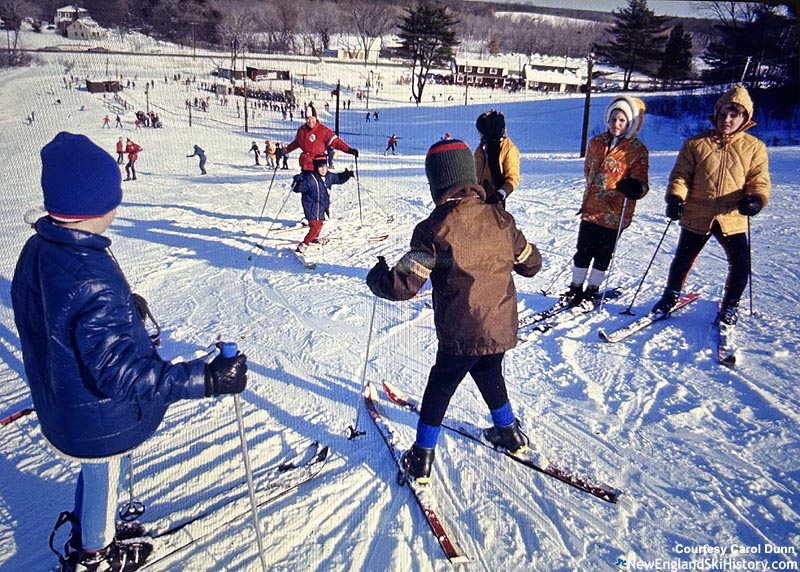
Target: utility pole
(336,92)
(585,133)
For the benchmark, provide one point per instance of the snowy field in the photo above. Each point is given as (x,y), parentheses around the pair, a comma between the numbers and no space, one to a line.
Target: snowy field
(707,456)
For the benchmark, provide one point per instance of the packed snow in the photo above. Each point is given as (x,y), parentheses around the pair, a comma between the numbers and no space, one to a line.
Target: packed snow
(707,456)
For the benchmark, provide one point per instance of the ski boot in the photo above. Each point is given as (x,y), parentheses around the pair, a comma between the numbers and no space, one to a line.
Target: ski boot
(417,463)
(510,438)
(571,297)
(663,307)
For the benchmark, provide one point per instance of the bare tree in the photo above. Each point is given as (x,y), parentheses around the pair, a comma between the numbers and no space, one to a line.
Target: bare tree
(372,20)
(238,30)
(13,12)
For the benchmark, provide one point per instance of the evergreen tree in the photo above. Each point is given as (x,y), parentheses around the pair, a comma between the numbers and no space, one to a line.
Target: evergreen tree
(677,61)
(427,39)
(757,47)
(638,40)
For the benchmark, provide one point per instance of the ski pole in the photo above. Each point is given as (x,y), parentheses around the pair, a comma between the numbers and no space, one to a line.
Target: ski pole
(133,509)
(260,245)
(358,188)
(646,270)
(750,266)
(229,350)
(269,190)
(616,243)
(353,430)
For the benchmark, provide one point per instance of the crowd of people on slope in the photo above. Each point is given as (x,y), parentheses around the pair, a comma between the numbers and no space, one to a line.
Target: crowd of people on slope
(88,357)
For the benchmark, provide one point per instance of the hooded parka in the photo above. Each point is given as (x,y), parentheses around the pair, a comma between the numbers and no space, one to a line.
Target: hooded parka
(713,172)
(605,166)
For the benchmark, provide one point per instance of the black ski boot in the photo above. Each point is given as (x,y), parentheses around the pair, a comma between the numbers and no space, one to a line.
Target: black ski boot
(417,463)
(509,437)
(120,556)
(727,315)
(571,297)
(663,307)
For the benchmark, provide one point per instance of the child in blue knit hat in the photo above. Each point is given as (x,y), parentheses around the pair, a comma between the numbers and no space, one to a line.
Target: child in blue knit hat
(97,382)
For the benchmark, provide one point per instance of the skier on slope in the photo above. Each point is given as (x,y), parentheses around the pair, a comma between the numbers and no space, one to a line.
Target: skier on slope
(616,171)
(97,382)
(313,138)
(720,178)
(201,154)
(313,188)
(468,248)
(133,150)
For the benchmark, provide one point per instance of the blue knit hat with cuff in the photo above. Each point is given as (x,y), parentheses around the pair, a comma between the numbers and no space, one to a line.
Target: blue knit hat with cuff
(79,179)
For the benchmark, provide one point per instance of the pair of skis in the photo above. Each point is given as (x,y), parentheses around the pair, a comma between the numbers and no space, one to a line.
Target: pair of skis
(423,494)
(169,538)
(562,312)
(726,350)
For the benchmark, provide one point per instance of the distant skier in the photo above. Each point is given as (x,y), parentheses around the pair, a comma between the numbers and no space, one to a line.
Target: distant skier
(106,121)
(316,200)
(314,138)
(255,151)
(120,151)
(391,145)
(198,152)
(133,150)
(474,299)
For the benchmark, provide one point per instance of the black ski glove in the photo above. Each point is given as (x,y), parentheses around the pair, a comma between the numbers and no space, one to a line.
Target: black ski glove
(354,152)
(750,205)
(631,188)
(346,175)
(675,207)
(226,375)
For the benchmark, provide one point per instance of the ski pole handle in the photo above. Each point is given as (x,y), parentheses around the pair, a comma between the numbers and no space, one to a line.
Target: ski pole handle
(228,349)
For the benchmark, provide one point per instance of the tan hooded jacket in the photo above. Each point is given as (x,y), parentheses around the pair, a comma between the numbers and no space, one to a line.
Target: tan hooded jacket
(714,172)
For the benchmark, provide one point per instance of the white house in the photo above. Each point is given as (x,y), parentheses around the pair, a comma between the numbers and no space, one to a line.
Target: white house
(84,29)
(67,14)
(555,74)
(351,48)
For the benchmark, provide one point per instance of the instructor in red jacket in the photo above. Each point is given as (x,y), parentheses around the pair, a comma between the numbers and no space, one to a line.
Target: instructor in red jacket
(314,138)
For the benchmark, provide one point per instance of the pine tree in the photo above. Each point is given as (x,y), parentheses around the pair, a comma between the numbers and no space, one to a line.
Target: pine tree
(427,39)
(677,61)
(638,40)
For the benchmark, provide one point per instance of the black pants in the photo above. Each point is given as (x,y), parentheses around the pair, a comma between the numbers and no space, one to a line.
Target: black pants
(737,251)
(448,372)
(594,242)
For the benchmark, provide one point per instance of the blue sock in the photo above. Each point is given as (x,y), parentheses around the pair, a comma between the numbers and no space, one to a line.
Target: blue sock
(427,435)
(503,416)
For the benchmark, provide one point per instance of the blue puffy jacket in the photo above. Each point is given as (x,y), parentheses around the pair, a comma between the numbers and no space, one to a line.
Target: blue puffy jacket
(314,189)
(98,385)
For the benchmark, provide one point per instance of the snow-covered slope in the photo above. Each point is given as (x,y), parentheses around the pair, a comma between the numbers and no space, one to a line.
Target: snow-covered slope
(707,456)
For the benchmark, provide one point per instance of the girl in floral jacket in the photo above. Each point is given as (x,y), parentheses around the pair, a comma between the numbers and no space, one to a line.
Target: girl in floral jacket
(615,168)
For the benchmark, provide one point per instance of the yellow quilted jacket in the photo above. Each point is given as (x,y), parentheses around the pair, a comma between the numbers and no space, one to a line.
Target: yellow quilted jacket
(713,172)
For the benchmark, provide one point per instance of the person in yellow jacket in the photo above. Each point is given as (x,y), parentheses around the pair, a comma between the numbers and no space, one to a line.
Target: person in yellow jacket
(496,158)
(616,171)
(720,178)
